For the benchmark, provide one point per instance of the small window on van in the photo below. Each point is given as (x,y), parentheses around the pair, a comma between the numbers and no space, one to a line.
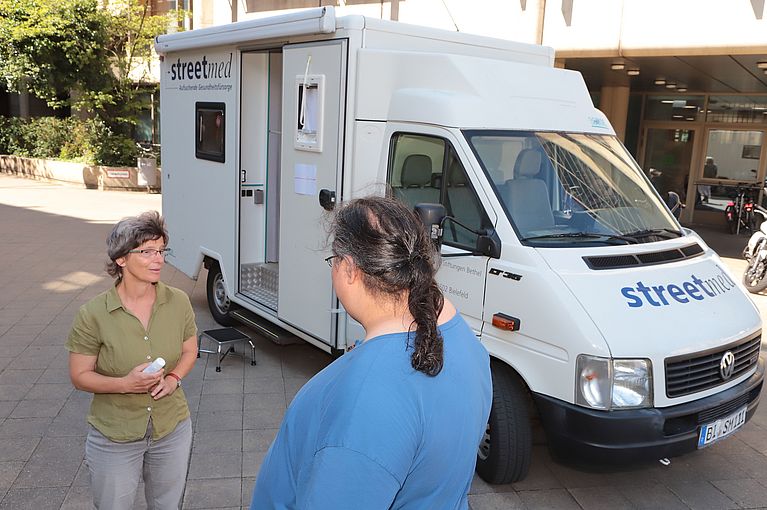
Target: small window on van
(426,169)
(461,203)
(415,168)
(209,130)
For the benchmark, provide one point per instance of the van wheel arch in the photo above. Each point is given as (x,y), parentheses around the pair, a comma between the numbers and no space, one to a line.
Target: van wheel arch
(505,452)
(218,301)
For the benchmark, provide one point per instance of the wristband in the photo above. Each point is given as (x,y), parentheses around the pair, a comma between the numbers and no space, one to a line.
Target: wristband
(177,378)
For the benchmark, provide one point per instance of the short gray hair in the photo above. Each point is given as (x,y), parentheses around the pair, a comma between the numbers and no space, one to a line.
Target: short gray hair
(130,233)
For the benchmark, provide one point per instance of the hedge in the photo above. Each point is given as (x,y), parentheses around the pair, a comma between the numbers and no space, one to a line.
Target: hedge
(88,141)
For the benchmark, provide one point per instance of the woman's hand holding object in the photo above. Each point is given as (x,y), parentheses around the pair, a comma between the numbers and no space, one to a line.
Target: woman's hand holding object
(140,382)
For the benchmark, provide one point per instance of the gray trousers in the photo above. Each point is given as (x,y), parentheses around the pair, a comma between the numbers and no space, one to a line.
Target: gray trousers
(115,468)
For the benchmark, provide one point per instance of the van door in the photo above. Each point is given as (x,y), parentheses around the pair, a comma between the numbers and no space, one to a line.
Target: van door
(314,93)
(427,168)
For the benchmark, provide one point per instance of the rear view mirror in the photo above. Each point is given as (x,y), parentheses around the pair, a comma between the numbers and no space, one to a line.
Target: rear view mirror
(432,216)
(489,245)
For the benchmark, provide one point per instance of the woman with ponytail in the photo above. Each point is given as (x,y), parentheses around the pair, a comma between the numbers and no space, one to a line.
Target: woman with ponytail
(396,422)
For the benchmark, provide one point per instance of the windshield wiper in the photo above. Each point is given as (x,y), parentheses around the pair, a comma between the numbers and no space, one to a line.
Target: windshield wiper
(659,232)
(583,235)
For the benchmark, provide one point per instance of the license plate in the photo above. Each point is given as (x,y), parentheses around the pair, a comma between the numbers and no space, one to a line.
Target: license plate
(721,428)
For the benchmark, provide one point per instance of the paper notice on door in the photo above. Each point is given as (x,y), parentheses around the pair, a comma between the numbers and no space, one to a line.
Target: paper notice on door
(305,179)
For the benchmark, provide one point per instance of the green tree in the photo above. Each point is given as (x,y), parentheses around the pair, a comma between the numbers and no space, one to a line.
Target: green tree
(101,52)
(50,47)
(131,30)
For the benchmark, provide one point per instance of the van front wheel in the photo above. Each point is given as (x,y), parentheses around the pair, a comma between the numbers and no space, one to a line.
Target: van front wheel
(218,301)
(506,448)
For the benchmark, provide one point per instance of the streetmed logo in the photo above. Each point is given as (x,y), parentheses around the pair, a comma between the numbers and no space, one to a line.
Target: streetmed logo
(695,289)
(203,69)
(196,74)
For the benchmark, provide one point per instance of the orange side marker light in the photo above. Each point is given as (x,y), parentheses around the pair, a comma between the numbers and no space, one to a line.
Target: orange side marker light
(506,322)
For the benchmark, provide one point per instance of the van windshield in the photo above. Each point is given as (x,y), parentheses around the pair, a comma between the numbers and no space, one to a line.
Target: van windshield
(565,189)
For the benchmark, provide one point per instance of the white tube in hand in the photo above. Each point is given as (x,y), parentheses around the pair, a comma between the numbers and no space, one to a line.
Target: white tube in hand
(155,366)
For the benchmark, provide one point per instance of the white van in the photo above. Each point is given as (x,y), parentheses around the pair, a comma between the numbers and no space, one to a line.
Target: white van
(618,328)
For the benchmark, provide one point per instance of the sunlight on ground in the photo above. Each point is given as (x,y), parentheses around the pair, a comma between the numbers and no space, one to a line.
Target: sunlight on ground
(105,207)
(73,281)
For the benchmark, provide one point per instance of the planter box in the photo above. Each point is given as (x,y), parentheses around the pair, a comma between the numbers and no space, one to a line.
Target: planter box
(92,177)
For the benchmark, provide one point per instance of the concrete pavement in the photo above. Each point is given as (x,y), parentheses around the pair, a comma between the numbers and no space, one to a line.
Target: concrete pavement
(52,254)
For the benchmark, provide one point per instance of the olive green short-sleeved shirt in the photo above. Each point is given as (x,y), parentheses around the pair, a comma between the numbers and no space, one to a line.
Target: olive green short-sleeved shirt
(105,329)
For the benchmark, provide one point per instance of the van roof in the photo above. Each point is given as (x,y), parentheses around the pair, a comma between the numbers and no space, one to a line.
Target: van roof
(319,21)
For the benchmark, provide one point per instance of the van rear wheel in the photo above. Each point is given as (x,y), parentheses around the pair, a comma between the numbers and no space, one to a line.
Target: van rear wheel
(506,449)
(218,301)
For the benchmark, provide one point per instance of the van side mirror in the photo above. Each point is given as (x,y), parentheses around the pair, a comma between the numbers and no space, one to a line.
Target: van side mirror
(489,244)
(432,216)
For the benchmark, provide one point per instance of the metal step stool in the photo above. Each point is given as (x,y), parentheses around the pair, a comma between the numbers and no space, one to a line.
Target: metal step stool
(225,336)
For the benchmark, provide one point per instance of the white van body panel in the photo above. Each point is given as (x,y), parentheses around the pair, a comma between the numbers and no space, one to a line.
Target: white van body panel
(554,328)
(655,324)
(199,199)
(473,92)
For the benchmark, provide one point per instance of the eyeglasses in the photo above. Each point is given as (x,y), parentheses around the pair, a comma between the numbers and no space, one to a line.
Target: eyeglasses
(329,260)
(148,253)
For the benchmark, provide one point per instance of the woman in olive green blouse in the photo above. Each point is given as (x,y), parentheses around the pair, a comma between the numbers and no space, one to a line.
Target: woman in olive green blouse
(139,422)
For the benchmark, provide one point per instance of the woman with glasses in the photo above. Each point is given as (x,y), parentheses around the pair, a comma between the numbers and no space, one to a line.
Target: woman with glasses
(395,422)
(139,421)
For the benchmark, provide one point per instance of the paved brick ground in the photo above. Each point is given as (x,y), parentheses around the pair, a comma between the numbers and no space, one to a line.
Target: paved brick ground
(52,255)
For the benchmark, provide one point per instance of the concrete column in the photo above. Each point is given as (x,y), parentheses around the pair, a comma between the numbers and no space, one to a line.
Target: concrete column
(394,10)
(204,14)
(614,103)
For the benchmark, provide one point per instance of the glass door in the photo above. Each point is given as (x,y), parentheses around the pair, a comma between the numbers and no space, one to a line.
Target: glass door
(668,155)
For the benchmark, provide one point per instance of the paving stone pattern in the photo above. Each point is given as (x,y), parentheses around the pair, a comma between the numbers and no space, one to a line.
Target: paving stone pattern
(52,255)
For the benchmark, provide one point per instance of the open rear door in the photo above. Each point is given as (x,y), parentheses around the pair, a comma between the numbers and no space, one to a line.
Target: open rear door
(314,91)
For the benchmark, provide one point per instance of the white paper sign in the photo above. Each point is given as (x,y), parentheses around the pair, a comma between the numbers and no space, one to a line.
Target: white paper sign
(305,179)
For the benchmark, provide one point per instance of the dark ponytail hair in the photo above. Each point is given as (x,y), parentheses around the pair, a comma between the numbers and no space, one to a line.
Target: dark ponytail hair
(389,244)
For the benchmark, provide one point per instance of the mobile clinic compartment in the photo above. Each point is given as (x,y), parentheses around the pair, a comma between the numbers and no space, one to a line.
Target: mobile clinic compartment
(619,329)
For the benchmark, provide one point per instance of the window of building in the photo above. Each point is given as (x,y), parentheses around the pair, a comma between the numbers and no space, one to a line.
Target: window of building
(732,155)
(209,131)
(737,109)
(675,108)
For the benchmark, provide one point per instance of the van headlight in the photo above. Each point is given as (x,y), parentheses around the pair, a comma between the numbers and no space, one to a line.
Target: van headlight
(607,383)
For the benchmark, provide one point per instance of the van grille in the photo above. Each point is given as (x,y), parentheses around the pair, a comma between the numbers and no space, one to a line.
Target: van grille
(700,371)
(643,259)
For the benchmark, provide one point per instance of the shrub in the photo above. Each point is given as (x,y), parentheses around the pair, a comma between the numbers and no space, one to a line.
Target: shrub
(90,141)
(78,147)
(14,137)
(47,135)
(109,148)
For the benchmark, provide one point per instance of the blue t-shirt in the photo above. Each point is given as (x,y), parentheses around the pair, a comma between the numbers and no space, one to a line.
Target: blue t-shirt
(371,432)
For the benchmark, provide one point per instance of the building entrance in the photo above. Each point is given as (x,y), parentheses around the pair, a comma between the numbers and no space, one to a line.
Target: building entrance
(668,158)
(707,149)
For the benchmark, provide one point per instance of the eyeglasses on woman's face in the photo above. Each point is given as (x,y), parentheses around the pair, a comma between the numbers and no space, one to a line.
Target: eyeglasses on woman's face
(329,260)
(149,253)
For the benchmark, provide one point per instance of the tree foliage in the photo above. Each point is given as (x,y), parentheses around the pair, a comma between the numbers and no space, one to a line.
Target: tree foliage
(50,47)
(102,53)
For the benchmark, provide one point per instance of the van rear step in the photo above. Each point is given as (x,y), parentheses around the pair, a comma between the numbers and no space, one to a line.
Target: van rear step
(265,328)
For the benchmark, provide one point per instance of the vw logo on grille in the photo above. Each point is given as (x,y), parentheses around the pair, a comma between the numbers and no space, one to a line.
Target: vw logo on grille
(727,365)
